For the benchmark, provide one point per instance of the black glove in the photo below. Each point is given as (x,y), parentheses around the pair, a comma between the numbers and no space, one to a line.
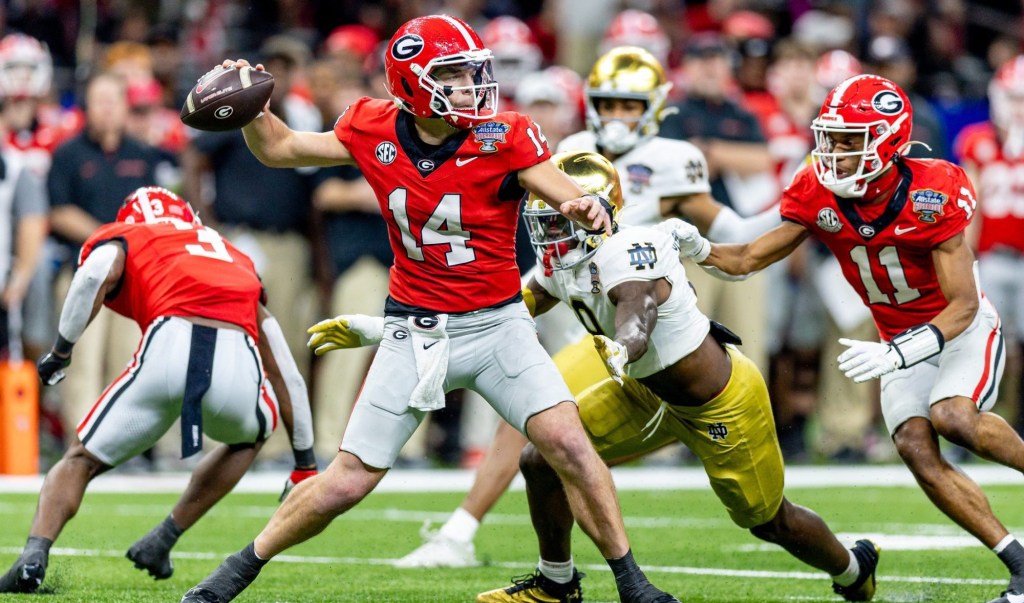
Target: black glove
(51,368)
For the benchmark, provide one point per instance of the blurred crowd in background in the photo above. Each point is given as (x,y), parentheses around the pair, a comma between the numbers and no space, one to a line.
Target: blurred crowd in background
(90,93)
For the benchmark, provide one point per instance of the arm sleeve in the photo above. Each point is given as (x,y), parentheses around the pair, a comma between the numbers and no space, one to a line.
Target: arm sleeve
(85,286)
(729,227)
(302,417)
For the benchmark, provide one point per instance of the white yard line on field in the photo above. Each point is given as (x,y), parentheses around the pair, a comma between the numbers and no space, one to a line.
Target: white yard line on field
(459,480)
(695,571)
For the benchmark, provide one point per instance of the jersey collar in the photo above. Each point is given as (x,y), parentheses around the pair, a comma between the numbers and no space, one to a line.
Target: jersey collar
(425,157)
(868,230)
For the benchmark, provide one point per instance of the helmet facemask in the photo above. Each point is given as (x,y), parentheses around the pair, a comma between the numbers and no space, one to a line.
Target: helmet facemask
(626,73)
(826,159)
(484,89)
(560,243)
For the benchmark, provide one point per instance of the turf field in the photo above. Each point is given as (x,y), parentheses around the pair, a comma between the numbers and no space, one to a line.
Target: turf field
(682,537)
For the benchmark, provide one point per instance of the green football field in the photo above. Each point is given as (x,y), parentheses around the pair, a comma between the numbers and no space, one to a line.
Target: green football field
(682,537)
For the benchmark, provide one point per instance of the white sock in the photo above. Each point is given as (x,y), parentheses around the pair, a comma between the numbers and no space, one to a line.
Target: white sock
(557,571)
(1005,542)
(851,574)
(461,526)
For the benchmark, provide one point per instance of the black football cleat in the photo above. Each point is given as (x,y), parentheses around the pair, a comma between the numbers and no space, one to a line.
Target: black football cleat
(153,554)
(863,589)
(25,576)
(201,595)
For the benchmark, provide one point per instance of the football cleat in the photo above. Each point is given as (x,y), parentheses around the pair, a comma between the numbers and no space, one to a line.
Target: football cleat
(1009,596)
(23,577)
(536,588)
(153,554)
(201,595)
(439,551)
(863,589)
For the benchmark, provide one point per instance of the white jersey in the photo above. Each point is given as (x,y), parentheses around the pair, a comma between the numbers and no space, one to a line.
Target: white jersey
(654,169)
(632,254)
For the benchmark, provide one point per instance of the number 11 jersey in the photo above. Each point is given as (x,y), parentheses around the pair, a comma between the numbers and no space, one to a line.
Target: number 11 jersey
(452,209)
(885,249)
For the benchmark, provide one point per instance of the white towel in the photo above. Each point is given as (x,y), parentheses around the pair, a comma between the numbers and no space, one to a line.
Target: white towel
(430,346)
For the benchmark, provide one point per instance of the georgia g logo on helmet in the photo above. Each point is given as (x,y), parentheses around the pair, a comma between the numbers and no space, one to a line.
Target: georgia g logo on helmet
(887,102)
(407,47)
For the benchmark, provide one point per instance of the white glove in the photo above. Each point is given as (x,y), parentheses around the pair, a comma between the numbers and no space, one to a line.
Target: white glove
(691,244)
(614,355)
(345,331)
(867,360)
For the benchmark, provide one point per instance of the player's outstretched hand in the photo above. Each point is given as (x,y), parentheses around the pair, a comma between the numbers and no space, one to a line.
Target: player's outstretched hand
(866,360)
(614,355)
(345,331)
(51,368)
(587,210)
(691,244)
(293,480)
(229,64)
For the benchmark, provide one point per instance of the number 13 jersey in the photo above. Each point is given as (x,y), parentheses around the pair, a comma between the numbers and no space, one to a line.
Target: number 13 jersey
(452,209)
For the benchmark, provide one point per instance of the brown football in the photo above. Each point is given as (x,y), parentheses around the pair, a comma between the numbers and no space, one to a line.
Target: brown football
(227,99)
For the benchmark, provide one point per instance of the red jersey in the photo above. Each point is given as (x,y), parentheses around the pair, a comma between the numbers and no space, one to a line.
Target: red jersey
(178,270)
(53,125)
(885,248)
(1000,187)
(451,210)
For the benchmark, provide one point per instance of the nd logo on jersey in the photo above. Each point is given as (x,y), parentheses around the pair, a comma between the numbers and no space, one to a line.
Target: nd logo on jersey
(490,134)
(927,203)
(643,256)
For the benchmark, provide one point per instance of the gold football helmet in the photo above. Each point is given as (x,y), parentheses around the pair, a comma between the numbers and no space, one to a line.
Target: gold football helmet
(626,72)
(558,241)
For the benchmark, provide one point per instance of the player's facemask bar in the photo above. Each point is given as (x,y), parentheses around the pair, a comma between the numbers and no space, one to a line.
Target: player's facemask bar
(826,159)
(484,89)
(558,242)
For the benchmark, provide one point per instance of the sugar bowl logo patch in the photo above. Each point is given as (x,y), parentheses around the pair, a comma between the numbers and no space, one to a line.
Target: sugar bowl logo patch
(490,134)
(828,220)
(639,176)
(928,203)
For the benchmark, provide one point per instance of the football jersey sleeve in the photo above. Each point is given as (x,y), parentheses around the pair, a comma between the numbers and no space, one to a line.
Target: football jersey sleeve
(636,254)
(528,146)
(349,117)
(798,197)
(688,175)
(960,207)
(103,234)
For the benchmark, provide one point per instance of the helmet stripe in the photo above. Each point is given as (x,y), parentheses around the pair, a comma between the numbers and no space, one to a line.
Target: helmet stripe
(462,30)
(841,90)
(147,209)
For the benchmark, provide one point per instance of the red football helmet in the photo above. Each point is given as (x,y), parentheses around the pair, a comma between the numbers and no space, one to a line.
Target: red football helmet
(26,69)
(1006,95)
(421,47)
(634,27)
(868,105)
(154,204)
(516,52)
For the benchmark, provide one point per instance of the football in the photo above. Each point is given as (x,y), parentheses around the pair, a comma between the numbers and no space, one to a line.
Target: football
(227,99)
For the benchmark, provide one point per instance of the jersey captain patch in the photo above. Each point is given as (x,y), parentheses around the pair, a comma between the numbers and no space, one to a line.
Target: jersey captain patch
(490,134)
(642,256)
(928,203)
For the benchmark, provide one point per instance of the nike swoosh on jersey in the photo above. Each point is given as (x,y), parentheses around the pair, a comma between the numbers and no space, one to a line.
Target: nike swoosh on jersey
(900,230)
(461,161)
(427,346)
